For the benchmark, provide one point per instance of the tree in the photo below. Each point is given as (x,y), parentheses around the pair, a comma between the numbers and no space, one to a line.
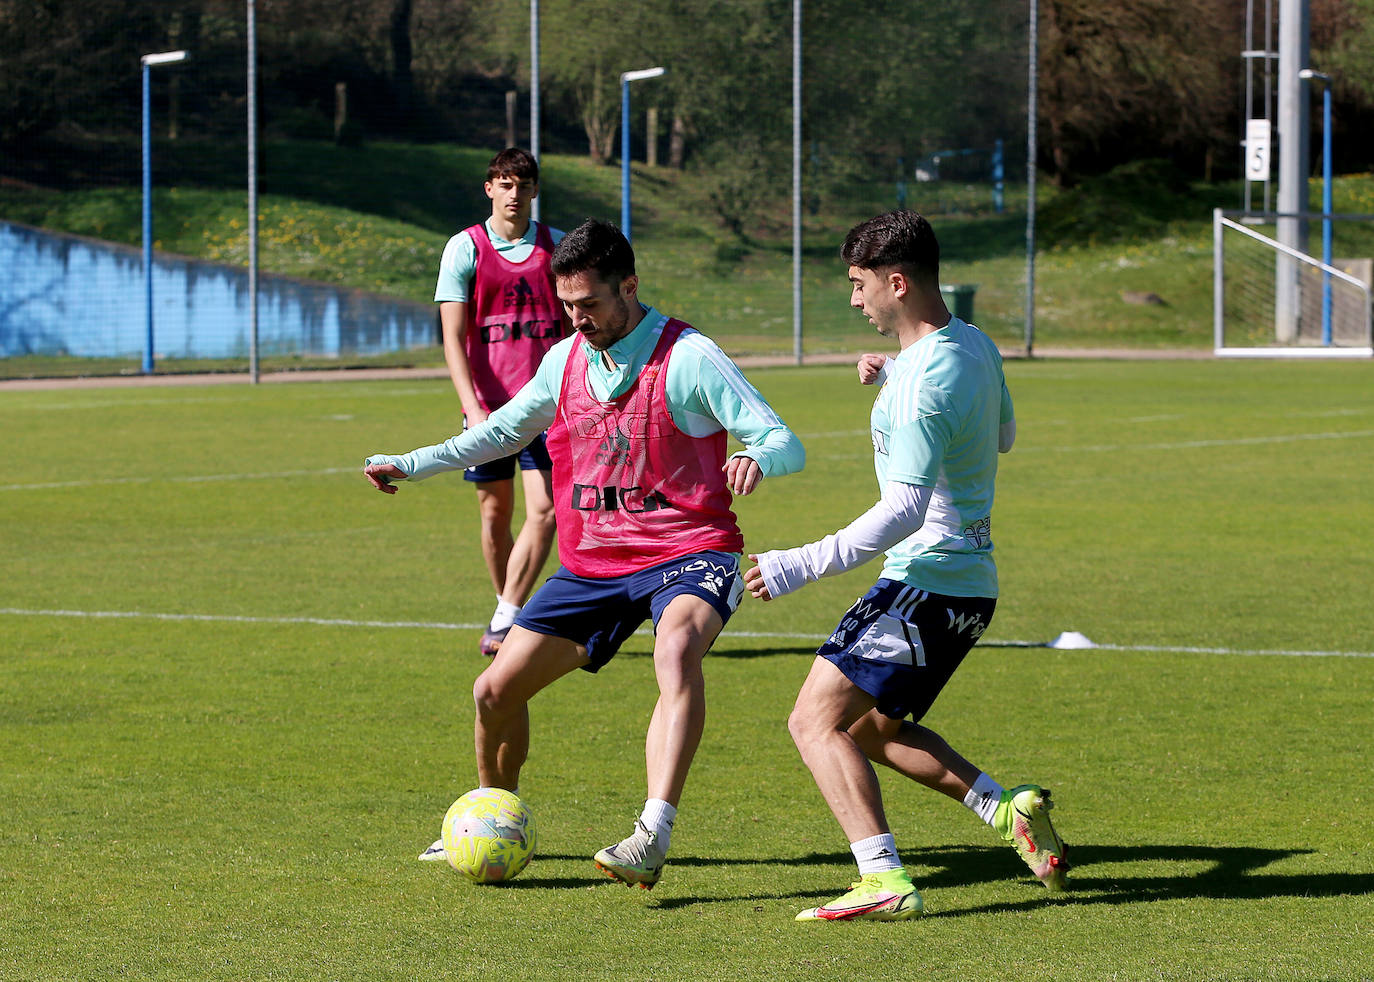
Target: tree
(728,88)
(70,59)
(1343,47)
(583,45)
(401,52)
(1120,81)
(1343,42)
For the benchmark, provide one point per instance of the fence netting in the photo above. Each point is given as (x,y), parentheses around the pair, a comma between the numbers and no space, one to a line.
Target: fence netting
(366,166)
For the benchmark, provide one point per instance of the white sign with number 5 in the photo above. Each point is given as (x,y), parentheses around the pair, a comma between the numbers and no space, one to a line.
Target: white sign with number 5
(1257,150)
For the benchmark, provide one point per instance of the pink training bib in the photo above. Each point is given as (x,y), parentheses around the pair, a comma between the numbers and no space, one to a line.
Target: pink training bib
(514,317)
(631,490)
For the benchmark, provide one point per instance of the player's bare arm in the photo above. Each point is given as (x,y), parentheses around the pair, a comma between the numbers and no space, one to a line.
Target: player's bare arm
(453,320)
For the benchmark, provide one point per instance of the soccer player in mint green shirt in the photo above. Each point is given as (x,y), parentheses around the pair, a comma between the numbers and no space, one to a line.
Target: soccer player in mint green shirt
(705,392)
(499,315)
(637,406)
(941,418)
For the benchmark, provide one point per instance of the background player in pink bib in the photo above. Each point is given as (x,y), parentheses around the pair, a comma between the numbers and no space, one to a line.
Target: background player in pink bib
(637,407)
(500,315)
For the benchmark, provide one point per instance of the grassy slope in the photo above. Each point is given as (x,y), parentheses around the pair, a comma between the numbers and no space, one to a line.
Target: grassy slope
(232,800)
(377,216)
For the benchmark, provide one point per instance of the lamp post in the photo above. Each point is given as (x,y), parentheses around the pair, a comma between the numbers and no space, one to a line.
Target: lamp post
(254,373)
(1308,73)
(1033,33)
(148,61)
(534,93)
(625,79)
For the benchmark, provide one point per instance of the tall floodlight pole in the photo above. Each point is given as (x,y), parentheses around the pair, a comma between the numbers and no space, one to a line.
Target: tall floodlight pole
(253,369)
(797,180)
(147,221)
(148,61)
(1269,62)
(625,79)
(534,92)
(1293,163)
(1030,176)
(1325,79)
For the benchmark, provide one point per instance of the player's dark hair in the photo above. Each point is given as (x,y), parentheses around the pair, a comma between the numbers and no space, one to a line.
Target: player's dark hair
(594,245)
(514,162)
(901,239)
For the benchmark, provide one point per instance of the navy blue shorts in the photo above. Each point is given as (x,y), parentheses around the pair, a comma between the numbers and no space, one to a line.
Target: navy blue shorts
(901,644)
(535,457)
(600,614)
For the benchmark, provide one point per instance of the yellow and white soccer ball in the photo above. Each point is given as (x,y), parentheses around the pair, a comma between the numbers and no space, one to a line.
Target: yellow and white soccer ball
(489,835)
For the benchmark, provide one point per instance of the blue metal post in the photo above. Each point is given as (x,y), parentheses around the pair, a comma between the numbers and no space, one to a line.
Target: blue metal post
(147,221)
(998,172)
(625,157)
(625,78)
(1326,212)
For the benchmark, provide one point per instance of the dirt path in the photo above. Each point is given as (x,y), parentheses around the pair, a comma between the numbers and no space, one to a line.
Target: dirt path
(365,374)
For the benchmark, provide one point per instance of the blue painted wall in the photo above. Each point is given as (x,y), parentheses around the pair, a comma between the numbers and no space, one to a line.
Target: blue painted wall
(67,295)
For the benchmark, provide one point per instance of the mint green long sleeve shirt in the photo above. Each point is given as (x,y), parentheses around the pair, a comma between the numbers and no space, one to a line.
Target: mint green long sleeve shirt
(704,390)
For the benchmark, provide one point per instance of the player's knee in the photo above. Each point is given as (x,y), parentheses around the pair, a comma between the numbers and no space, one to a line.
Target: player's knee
(801,725)
(491,697)
(496,515)
(542,520)
(679,674)
(496,504)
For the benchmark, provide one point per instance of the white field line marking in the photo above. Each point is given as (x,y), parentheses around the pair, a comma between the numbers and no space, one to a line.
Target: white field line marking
(449,626)
(1102,448)
(1247,441)
(230,396)
(189,479)
(237,619)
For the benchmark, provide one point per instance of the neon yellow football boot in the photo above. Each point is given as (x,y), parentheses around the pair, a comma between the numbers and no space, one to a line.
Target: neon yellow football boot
(1022,818)
(889,896)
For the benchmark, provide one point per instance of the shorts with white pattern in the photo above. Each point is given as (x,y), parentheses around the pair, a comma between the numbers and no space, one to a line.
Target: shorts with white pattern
(534,457)
(901,644)
(600,613)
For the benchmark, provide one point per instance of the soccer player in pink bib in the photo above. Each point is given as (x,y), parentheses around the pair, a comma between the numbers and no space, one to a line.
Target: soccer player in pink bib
(500,315)
(637,406)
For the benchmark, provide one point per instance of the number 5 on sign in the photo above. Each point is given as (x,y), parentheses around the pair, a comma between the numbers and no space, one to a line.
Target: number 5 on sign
(1257,150)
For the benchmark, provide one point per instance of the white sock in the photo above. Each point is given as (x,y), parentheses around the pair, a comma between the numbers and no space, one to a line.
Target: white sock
(984,797)
(504,616)
(876,854)
(658,817)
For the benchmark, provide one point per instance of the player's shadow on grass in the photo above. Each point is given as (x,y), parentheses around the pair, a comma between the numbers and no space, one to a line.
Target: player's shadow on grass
(1100,875)
(729,652)
(1129,874)
(771,650)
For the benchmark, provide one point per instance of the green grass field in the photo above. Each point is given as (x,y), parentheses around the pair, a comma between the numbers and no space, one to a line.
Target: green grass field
(235,700)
